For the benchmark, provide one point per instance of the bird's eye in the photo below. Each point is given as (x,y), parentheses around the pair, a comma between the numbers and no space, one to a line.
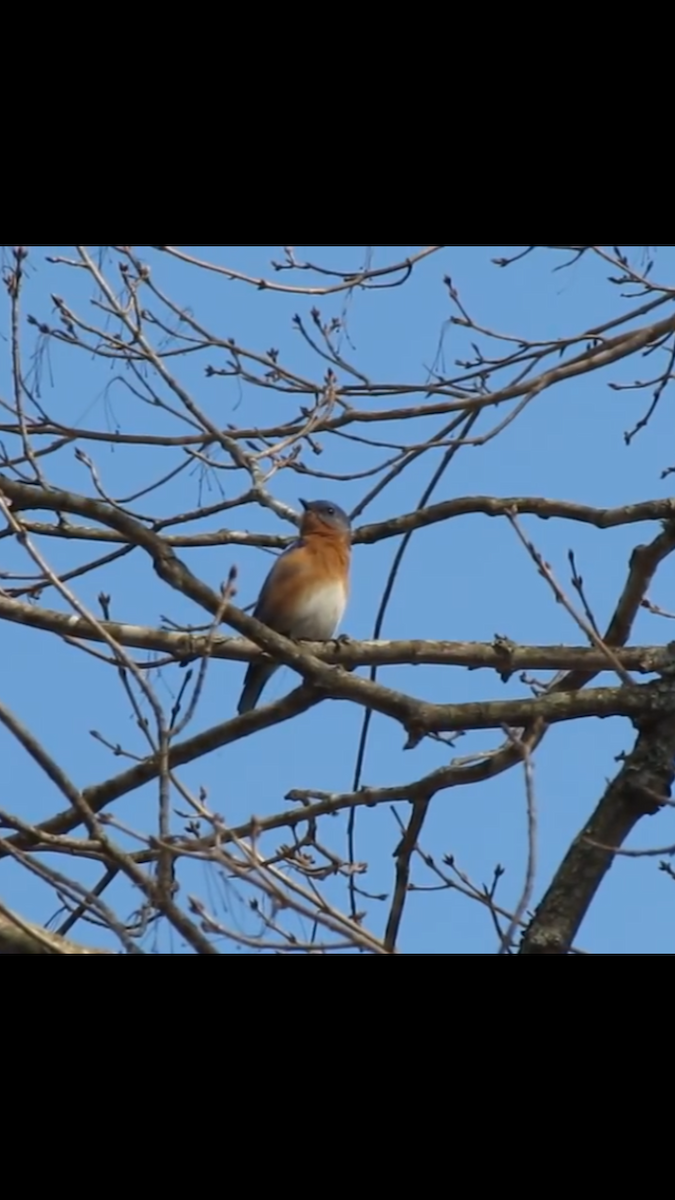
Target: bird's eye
(330,510)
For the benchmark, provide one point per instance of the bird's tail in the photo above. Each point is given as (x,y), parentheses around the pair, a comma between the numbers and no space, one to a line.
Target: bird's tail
(256,678)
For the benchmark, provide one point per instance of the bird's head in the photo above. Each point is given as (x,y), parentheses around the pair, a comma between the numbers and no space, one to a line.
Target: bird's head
(322,516)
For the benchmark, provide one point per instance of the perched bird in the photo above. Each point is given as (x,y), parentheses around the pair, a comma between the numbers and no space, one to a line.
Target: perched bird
(305,593)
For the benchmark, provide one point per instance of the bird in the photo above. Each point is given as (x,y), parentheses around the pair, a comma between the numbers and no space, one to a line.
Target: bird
(305,593)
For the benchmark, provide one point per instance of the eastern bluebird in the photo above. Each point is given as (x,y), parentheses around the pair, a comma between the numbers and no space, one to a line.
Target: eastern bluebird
(305,593)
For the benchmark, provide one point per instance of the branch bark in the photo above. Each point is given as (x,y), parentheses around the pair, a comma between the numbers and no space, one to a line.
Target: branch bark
(502,655)
(18,936)
(647,773)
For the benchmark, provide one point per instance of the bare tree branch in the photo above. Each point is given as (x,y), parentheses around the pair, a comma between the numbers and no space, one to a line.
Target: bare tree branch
(139,434)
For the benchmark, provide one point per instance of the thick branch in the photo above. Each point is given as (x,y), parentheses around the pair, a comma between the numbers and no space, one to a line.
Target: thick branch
(499,506)
(502,655)
(461,506)
(18,936)
(419,716)
(647,773)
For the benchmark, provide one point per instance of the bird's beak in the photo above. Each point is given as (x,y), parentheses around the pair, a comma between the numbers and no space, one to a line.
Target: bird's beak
(305,504)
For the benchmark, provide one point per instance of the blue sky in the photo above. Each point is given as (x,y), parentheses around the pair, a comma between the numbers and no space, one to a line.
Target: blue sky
(466,579)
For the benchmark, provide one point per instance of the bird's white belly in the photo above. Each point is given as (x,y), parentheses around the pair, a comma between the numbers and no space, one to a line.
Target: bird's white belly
(320,612)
